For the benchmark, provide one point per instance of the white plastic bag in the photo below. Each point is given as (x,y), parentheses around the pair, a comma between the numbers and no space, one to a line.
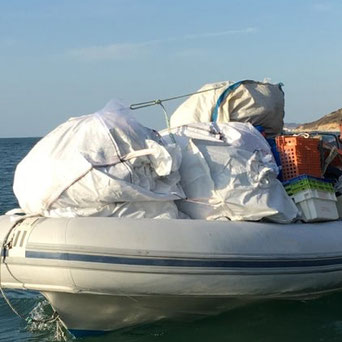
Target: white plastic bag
(228,172)
(102,164)
(260,103)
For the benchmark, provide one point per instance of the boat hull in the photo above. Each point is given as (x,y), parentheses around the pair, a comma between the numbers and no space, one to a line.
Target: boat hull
(102,274)
(101,313)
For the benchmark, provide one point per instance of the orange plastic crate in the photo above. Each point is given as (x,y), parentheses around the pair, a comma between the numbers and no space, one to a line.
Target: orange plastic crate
(299,156)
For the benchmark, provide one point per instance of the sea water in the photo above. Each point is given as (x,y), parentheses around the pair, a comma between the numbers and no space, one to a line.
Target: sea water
(281,321)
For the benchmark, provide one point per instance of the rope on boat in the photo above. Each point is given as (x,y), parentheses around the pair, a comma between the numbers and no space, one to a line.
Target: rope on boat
(4,247)
(160,103)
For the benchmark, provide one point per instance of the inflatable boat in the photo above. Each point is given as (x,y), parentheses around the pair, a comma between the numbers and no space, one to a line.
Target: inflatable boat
(101,274)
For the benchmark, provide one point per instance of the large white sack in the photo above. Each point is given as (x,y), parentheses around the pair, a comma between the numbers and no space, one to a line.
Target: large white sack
(260,103)
(228,172)
(95,164)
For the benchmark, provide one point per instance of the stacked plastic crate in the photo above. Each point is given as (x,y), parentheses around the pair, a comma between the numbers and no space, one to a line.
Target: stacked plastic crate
(302,178)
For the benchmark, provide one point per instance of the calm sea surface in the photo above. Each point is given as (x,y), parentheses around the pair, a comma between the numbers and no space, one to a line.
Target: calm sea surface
(315,320)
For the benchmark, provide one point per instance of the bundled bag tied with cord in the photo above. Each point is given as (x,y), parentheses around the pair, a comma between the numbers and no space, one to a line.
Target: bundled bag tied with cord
(102,164)
(228,172)
(259,103)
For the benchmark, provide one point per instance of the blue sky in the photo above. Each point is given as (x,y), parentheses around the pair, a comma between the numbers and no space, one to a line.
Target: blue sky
(67,58)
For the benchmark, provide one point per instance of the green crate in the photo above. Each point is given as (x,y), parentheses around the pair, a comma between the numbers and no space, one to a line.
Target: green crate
(296,186)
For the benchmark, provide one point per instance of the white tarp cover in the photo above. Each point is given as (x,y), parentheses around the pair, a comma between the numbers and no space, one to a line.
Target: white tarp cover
(260,103)
(102,164)
(228,172)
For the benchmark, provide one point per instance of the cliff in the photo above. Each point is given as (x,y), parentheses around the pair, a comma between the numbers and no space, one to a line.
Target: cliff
(329,122)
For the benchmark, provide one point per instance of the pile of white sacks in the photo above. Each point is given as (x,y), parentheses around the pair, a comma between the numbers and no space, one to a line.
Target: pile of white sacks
(228,172)
(107,164)
(102,164)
